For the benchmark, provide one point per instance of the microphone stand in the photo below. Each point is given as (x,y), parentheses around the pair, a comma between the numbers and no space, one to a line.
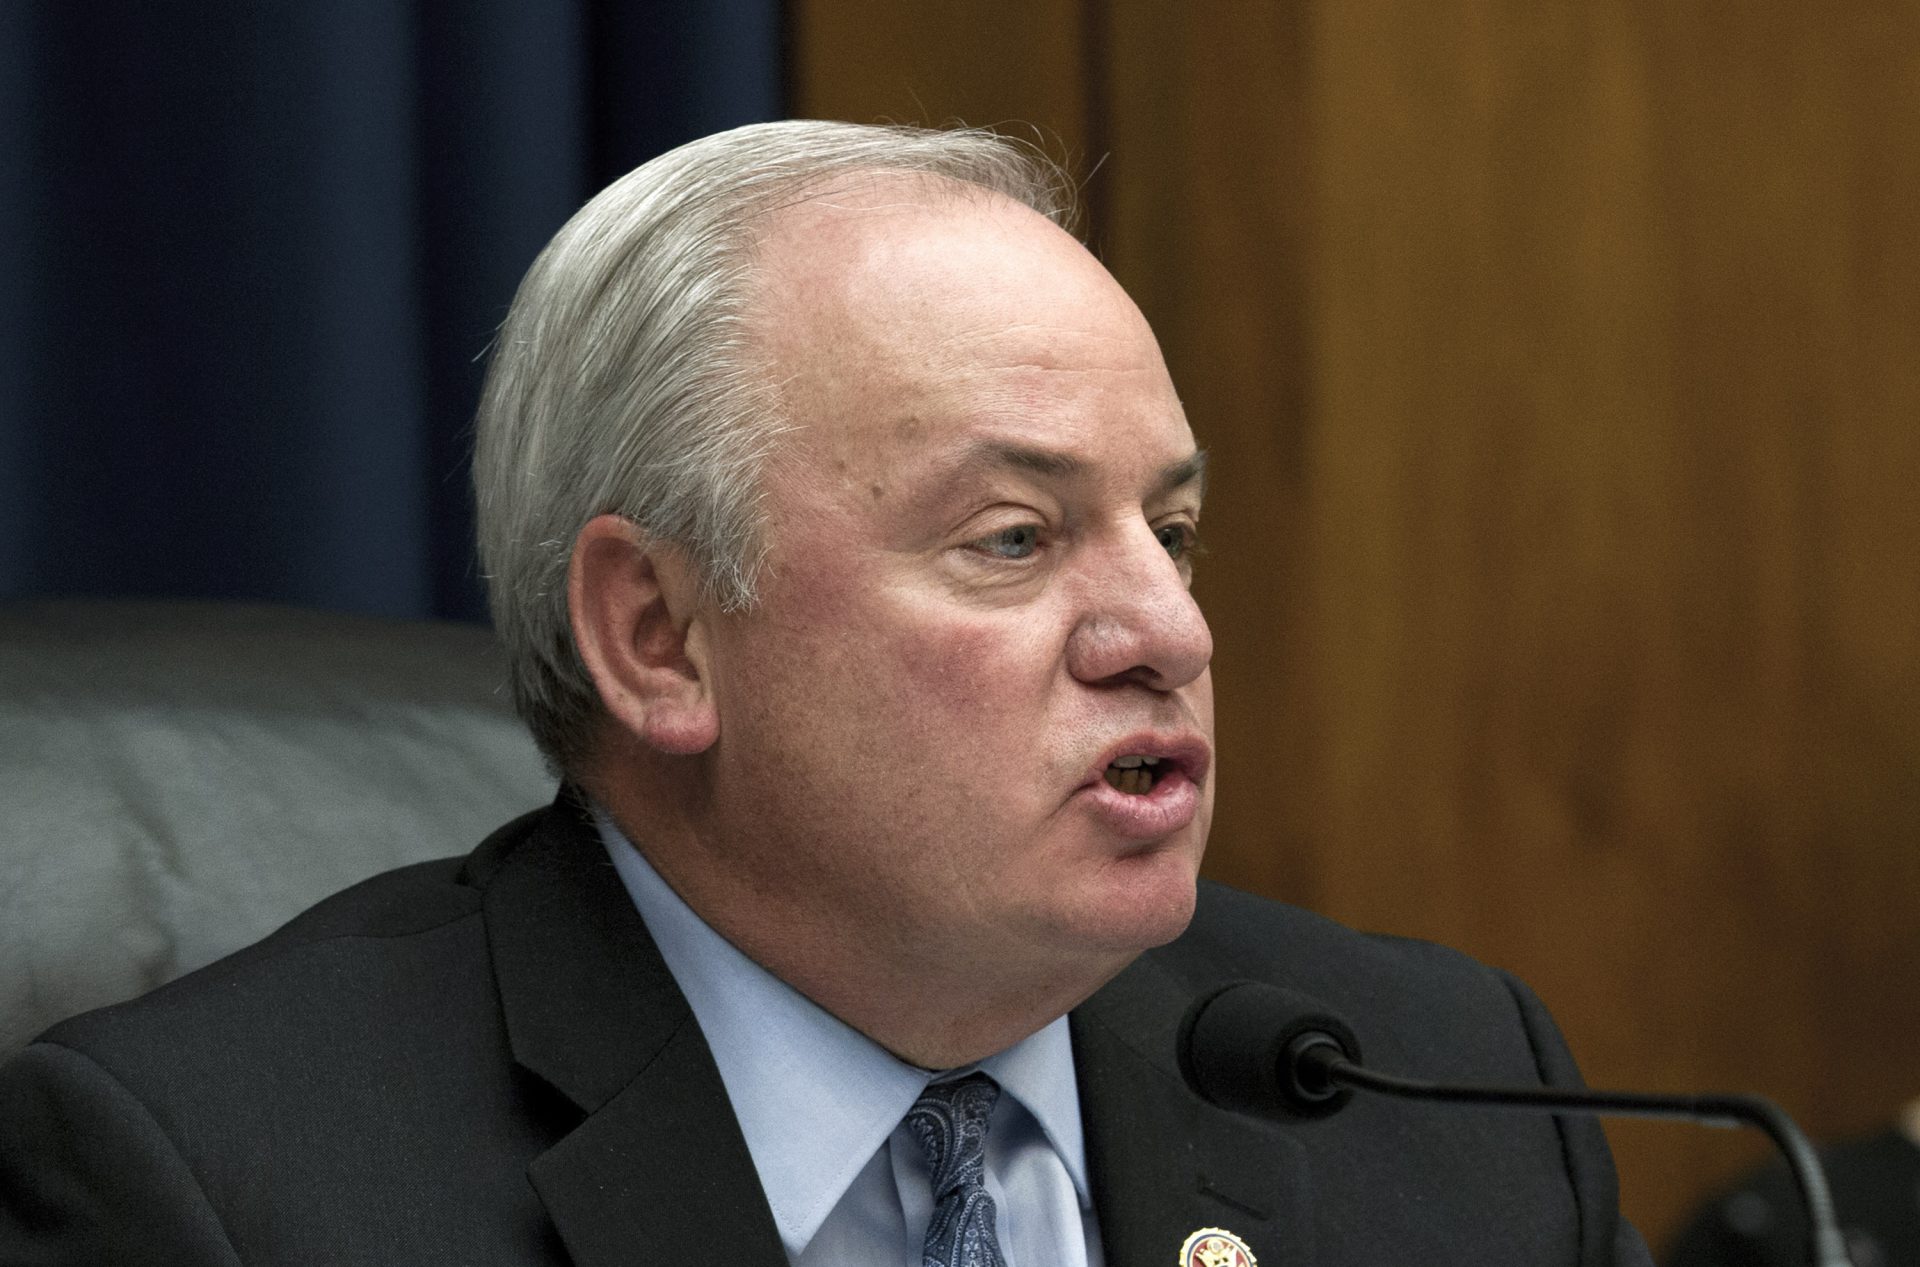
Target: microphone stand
(1318,1057)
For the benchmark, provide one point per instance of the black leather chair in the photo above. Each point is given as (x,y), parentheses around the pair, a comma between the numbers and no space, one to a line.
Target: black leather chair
(178,779)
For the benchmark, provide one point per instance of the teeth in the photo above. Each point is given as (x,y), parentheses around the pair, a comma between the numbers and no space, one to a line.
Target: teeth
(1132,774)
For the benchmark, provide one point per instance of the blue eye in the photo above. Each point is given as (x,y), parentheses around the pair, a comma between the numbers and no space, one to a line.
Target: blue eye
(1176,539)
(1012,543)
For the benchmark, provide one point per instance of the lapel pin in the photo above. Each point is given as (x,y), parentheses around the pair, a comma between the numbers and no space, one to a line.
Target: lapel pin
(1215,1247)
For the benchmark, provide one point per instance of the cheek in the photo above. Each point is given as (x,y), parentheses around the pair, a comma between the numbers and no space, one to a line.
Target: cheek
(898,689)
(967,664)
(982,688)
(914,654)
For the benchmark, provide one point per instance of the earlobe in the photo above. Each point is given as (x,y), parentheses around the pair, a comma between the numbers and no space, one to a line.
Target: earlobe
(639,623)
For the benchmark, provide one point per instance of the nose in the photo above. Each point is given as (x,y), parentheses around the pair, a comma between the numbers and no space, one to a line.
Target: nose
(1138,622)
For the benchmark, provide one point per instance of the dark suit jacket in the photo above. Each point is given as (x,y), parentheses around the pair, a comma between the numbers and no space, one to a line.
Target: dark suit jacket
(486,1061)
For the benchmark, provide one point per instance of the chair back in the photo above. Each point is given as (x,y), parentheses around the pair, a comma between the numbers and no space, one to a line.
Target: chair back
(179,779)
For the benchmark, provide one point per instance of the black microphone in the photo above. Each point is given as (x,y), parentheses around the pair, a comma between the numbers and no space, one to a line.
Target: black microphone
(1260,1050)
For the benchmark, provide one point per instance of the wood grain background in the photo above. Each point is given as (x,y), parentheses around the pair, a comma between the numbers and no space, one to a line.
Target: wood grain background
(1561,366)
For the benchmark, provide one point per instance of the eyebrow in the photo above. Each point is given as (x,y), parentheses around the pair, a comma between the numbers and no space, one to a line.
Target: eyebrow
(1187,471)
(1056,465)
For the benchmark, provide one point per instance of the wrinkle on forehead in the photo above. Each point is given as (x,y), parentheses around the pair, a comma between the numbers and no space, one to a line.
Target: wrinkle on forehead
(1025,352)
(984,454)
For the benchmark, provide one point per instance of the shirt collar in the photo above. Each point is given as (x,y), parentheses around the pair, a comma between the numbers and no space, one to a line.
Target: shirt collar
(1038,1072)
(767,1038)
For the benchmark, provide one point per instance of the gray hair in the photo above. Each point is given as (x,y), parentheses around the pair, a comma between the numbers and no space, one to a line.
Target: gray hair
(620,381)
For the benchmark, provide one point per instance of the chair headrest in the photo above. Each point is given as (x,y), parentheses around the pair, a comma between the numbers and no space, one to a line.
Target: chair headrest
(178,779)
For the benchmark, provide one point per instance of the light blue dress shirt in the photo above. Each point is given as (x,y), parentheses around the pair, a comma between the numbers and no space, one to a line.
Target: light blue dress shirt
(821,1107)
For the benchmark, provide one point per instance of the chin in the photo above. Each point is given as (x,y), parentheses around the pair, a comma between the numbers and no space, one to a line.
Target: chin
(1135,906)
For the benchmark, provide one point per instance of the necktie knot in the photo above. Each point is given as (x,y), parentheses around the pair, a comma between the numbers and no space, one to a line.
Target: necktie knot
(949,1121)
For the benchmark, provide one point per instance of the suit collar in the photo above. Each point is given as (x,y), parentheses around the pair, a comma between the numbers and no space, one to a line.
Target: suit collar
(1164,1163)
(658,1165)
(657,1168)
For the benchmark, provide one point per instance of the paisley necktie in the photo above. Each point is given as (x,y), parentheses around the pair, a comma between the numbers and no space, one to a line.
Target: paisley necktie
(950,1123)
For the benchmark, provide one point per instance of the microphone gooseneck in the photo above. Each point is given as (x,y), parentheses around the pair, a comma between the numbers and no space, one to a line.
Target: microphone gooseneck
(1261,1050)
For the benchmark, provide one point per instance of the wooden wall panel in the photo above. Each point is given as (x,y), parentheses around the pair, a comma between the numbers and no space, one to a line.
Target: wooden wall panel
(1203,219)
(1017,67)
(1561,363)
(1607,302)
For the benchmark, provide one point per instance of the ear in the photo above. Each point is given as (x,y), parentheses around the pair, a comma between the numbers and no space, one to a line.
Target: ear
(641,630)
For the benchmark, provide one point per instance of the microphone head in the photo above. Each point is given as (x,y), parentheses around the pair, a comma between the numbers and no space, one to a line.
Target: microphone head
(1240,1049)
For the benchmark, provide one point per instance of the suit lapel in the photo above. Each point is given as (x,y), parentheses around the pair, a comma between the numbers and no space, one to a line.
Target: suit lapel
(656,1176)
(658,1170)
(1163,1163)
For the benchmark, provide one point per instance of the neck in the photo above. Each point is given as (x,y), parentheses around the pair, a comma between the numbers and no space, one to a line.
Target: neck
(940,1023)
(931,1009)
(936,1010)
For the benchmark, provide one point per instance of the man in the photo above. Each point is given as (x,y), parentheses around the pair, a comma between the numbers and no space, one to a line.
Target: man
(840,515)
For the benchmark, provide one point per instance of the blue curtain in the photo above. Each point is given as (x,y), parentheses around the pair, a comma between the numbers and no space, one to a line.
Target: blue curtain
(252,253)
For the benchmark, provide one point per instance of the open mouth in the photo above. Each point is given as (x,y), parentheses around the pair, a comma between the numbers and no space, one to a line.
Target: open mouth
(1135,774)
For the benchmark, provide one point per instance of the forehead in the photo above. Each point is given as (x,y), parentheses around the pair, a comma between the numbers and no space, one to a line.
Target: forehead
(897,313)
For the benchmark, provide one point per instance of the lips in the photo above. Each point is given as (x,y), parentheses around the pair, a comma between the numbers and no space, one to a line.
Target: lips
(1161,754)
(1147,786)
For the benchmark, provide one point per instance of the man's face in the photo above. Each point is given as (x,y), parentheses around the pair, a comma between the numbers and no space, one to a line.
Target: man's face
(980,549)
